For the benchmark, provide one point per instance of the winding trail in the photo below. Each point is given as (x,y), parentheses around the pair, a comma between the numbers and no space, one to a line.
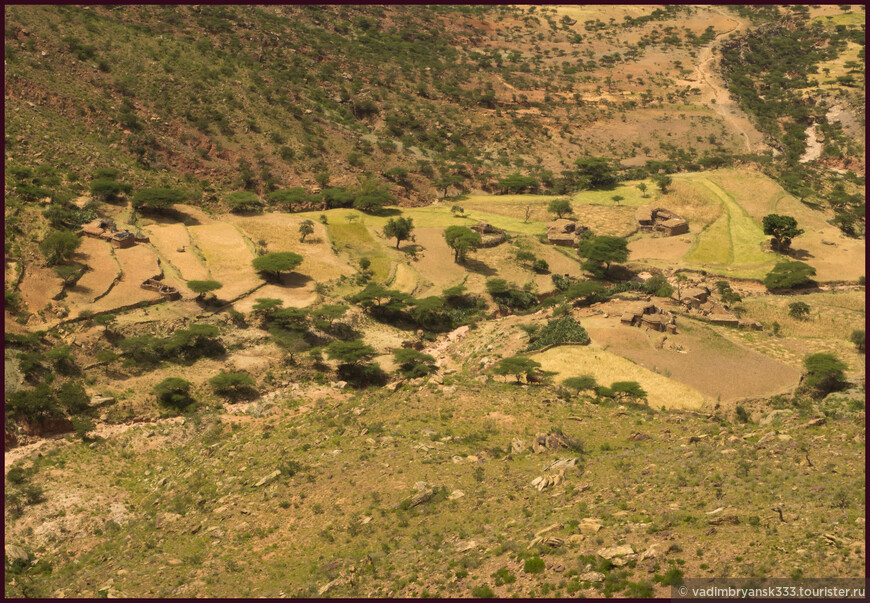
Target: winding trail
(724,105)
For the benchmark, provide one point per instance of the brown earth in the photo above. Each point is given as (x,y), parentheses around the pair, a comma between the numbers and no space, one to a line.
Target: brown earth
(718,368)
(137,264)
(228,257)
(169,238)
(660,248)
(103,269)
(39,287)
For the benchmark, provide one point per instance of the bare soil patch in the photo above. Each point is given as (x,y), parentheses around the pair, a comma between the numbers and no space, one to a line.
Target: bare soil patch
(227,256)
(280,231)
(103,268)
(435,262)
(844,260)
(39,287)
(698,357)
(168,239)
(660,248)
(137,264)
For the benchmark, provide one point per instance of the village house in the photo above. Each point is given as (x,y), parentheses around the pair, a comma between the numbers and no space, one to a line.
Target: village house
(650,219)
(650,316)
(107,231)
(564,232)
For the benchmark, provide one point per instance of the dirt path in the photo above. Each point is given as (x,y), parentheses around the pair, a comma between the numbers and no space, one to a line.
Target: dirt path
(814,146)
(724,105)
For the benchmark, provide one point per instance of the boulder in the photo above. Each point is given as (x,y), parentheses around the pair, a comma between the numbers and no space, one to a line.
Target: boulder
(269,478)
(16,555)
(615,551)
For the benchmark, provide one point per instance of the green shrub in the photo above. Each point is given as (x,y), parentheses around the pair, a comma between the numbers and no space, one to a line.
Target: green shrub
(786,275)
(174,392)
(559,331)
(583,382)
(824,373)
(232,384)
(534,565)
(482,592)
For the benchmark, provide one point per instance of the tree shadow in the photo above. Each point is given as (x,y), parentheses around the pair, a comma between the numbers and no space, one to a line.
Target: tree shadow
(619,273)
(170,216)
(799,254)
(386,212)
(292,279)
(479,267)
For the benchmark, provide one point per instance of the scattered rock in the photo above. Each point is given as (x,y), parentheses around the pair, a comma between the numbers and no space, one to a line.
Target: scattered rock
(553,542)
(615,551)
(97,401)
(575,538)
(590,526)
(518,446)
(365,519)
(774,415)
(729,520)
(637,437)
(175,562)
(456,495)
(461,546)
(591,577)
(269,478)
(650,553)
(322,590)
(16,555)
(549,528)
(814,422)
(424,494)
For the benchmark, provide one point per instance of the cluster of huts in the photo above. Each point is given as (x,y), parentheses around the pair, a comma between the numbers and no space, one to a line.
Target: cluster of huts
(564,232)
(657,219)
(107,231)
(651,316)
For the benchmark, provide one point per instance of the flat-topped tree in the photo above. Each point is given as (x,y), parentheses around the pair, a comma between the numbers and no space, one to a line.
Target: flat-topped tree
(244,202)
(203,287)
(273,264)
(782,228)
(59,246)
(597,172)
(157,200)
(516,366)
(560,207)
(461,240)
(305,228)
(399,228)
(603,250)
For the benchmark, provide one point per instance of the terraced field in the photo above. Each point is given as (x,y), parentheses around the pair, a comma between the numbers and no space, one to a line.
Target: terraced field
(228,257)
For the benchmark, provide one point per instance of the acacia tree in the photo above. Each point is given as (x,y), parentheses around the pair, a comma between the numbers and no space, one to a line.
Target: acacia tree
(560,207)
(400,228)
(598,172)
(516,366)
(203,287)
(274,264)
(642,188)
(305,229)
(157,199)
(461,240)
(782,228)
(664,182)
(603,250)
(59,246)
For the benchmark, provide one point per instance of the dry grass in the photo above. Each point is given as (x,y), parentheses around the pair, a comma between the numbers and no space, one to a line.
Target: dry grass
(228,257)
(571,361)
